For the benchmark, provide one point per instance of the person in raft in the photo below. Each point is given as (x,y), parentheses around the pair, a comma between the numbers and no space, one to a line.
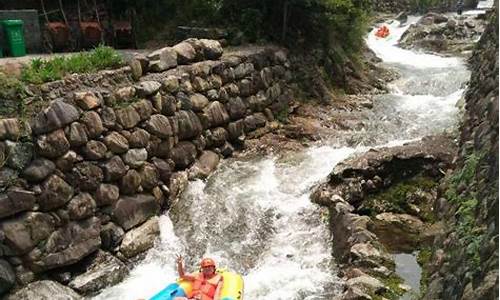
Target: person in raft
(207,284)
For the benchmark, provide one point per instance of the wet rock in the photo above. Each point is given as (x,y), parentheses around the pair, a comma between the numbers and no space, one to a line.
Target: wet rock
(140,239)
(67,245)
(106,194)
(9,129)
(144,108)
(226,150)
(16,200)
(216,137)
(355,293)
(130,211)
(77,134)
(184,154)
(367,283)
(127,117)
(87,176)
(7,277)
(104,270)
(236,130)
(131,182)
(139,138)
(159,125)
(178,183)
(149,176)
(185,53)
(162,59)
(164,168)
(205,165)
(81,206)
(189,125)
(57,115)
(135,158)
(44,290)
(20,154)
(94,150)
(56,192)
(114,169)
(87,100)
(116,142)
(93,122)
(111,236)
(25,231)
(400,232)
(53,144)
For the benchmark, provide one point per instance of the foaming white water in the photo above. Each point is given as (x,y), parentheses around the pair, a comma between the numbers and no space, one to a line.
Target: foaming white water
(485,4)
(152,274)
(386,50)
(256,217)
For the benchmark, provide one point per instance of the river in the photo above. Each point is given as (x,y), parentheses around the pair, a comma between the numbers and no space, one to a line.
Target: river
(254,215)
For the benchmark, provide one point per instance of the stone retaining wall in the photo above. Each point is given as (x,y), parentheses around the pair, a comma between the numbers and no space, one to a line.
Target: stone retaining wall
(109,153)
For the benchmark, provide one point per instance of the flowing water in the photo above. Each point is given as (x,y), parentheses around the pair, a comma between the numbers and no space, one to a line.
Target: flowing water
(254,215)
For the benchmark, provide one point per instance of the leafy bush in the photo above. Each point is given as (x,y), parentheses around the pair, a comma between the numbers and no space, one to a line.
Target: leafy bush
(40,71)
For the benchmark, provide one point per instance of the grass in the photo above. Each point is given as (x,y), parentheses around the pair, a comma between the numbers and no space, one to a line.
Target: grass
(40,70)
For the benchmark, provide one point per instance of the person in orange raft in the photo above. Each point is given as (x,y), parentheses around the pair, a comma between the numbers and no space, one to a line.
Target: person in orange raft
(207,284)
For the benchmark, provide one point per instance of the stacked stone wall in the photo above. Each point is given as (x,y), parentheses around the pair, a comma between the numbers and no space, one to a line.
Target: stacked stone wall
(109,153)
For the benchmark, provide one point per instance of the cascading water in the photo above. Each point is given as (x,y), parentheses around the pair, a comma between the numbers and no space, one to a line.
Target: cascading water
(254,215)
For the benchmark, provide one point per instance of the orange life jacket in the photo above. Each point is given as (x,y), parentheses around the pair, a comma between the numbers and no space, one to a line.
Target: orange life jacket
(206,287)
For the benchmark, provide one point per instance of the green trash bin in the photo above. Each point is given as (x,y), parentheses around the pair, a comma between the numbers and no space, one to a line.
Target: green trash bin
(14,37)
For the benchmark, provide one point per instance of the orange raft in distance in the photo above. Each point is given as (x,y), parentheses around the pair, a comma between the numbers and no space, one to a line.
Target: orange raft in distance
(382,32)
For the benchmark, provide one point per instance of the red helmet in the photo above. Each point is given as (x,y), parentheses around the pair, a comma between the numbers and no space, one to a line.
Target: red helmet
(207,262)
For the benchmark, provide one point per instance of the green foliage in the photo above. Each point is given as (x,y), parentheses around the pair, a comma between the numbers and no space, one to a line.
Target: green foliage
(12,94)
(395,198)
(40,71)
(424,258)
(470,235)
(393,290)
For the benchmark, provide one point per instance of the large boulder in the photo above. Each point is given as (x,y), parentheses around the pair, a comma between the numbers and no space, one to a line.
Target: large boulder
(189,125)
(162,59)
(184,154)
(25,231)
(140,239)
(67,245)
(212,49)
(9,129)
(81,206)
(215,114)
(127,117)
(114,169)
(399,232)
(53,144)
(55,193)
(159,125)
(130,211)
(186,53)
(44,290)
(205,165)
(104,270)
(147,88)
(57,115)
(16,200)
